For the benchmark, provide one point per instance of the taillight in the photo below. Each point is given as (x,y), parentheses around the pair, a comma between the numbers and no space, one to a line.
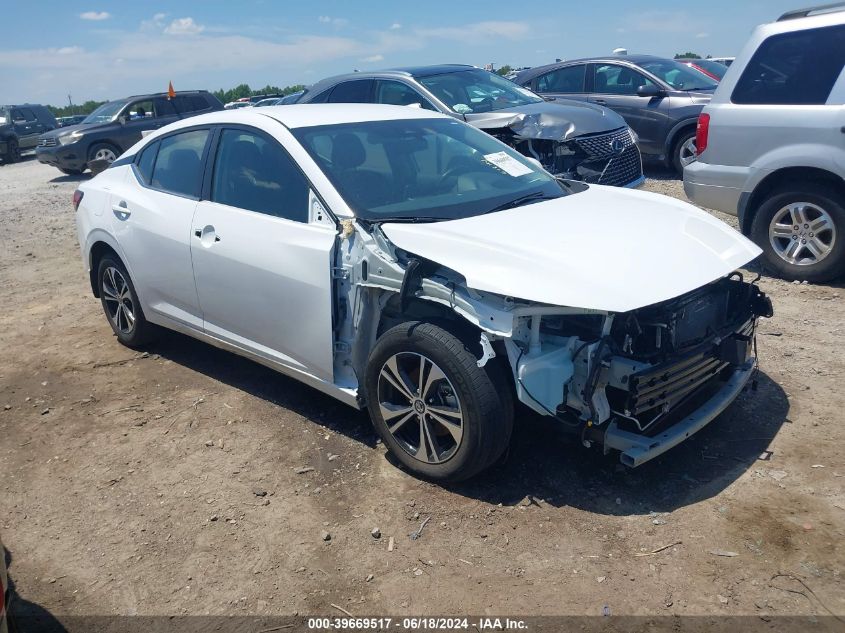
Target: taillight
(77,198)
(702,132)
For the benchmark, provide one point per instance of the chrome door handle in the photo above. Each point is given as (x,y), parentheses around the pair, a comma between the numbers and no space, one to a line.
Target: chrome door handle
(121,210)
(600,101)
(199,233)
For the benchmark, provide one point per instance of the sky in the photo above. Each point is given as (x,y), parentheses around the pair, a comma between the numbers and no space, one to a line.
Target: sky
(92,49)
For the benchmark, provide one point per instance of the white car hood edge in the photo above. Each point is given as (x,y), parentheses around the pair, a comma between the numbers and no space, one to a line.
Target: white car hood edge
(605,249)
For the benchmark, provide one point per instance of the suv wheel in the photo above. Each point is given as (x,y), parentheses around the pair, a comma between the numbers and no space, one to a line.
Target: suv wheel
(13,152)
(684,152)
(103,151)
(121,305)
(439,413)
(802,232)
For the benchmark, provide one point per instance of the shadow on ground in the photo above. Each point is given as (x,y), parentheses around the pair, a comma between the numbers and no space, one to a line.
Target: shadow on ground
(26,616)
(543,462)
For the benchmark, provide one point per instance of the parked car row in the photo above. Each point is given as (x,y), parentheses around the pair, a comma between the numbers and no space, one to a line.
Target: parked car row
(20,128)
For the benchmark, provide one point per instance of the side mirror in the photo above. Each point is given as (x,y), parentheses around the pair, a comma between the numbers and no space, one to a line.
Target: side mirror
(650,90)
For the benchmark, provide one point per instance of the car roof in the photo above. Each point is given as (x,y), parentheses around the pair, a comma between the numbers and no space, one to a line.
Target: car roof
(405,71)
(631,59)
(307,115)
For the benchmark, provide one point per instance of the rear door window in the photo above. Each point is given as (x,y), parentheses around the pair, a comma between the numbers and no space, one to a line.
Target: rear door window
(186,104)
(357,91)
(397,93)
(145,162)
(178,166)
(798,68)
(565,80)
(618,80)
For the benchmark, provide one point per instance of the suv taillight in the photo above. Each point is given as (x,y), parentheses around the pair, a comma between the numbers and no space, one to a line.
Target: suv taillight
(702,132)
(77,198)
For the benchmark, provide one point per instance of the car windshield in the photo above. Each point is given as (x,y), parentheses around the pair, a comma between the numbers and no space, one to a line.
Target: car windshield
(105,113)
(678,75)
(477,90)
(424,169)
(714,68)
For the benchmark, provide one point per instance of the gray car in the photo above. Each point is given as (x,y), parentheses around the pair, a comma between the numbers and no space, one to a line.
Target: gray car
(573,140)
(659,98)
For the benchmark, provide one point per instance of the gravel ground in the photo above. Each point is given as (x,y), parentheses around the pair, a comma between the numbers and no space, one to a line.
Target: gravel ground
(186,480)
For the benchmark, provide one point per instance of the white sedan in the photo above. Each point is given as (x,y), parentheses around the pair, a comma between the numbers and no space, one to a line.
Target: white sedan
(403,261)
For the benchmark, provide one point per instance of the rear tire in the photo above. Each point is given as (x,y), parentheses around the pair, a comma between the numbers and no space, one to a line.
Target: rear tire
(683,153)
(121,305)
(801,229)
(439,413)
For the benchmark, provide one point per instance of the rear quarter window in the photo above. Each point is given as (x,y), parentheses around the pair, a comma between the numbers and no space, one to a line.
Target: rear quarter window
(145,162)
(797,68)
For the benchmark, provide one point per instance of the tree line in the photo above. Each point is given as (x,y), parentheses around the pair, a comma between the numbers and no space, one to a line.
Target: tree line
(238,92)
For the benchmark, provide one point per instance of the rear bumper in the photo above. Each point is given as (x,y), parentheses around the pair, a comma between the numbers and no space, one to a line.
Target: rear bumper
(67,157)
(638,449)
(716,187)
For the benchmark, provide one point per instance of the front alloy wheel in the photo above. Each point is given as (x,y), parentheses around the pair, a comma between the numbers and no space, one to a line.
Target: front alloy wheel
(421,407)
(440,414)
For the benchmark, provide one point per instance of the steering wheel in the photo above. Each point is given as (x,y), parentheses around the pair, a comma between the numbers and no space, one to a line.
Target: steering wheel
(457,171)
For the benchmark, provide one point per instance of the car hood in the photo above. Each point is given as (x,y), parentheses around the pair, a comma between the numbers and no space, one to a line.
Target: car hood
(605,249)
(554,120)
(69,129)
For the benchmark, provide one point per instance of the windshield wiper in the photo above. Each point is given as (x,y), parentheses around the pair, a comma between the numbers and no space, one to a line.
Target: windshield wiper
(412,220)
(537,196)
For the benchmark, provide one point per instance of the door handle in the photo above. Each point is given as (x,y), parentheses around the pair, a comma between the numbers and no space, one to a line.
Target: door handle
(600,101)
(199,233)
(121,210)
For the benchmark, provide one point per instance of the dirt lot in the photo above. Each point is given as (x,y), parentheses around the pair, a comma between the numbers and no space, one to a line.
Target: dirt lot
(171,482)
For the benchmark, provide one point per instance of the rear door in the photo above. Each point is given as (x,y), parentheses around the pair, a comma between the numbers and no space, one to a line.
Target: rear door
(615,86)
(262,271)
(27,127)
(151,215)
(568,82)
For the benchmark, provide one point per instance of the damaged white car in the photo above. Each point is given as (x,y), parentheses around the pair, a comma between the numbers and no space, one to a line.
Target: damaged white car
(404,261)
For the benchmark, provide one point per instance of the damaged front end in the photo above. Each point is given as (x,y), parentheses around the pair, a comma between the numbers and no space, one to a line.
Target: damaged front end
(639,382)
(603,158)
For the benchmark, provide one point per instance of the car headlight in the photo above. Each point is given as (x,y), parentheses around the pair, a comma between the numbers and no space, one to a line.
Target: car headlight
(67,139)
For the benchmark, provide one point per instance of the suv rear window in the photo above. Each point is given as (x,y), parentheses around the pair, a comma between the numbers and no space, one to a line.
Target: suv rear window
(797,68)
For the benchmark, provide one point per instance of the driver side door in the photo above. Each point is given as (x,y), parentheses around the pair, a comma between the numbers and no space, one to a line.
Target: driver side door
(262,270)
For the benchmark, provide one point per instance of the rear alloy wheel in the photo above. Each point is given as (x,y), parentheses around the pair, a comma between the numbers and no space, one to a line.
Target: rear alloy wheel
(800,233)
(440,414)
(121,305)
(685,152)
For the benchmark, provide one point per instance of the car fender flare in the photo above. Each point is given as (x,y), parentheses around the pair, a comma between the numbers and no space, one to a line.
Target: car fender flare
(676,129)
(100,236)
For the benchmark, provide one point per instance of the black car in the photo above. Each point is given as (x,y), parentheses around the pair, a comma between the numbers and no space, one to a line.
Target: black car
(659,98)
(20,127)
(116,126)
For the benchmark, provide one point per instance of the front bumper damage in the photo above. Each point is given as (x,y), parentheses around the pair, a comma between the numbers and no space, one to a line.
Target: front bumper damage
(636,449)
(606,158)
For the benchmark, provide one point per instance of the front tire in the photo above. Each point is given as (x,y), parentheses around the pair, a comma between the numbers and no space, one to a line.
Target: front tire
(13,152)
(103,151)
(801,230)
(439,413)
(121,305)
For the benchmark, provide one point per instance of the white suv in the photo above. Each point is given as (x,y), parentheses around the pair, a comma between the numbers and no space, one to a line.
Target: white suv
(771,144)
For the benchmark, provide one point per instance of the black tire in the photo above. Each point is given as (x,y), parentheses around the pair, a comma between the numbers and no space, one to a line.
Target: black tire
(13,152)
(484,396)
(824,197)
(97,147)
(678,148)
(70,172)
(131,333)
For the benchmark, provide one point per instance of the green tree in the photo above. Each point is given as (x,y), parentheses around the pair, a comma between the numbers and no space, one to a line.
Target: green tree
(504,70)
(688,55)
